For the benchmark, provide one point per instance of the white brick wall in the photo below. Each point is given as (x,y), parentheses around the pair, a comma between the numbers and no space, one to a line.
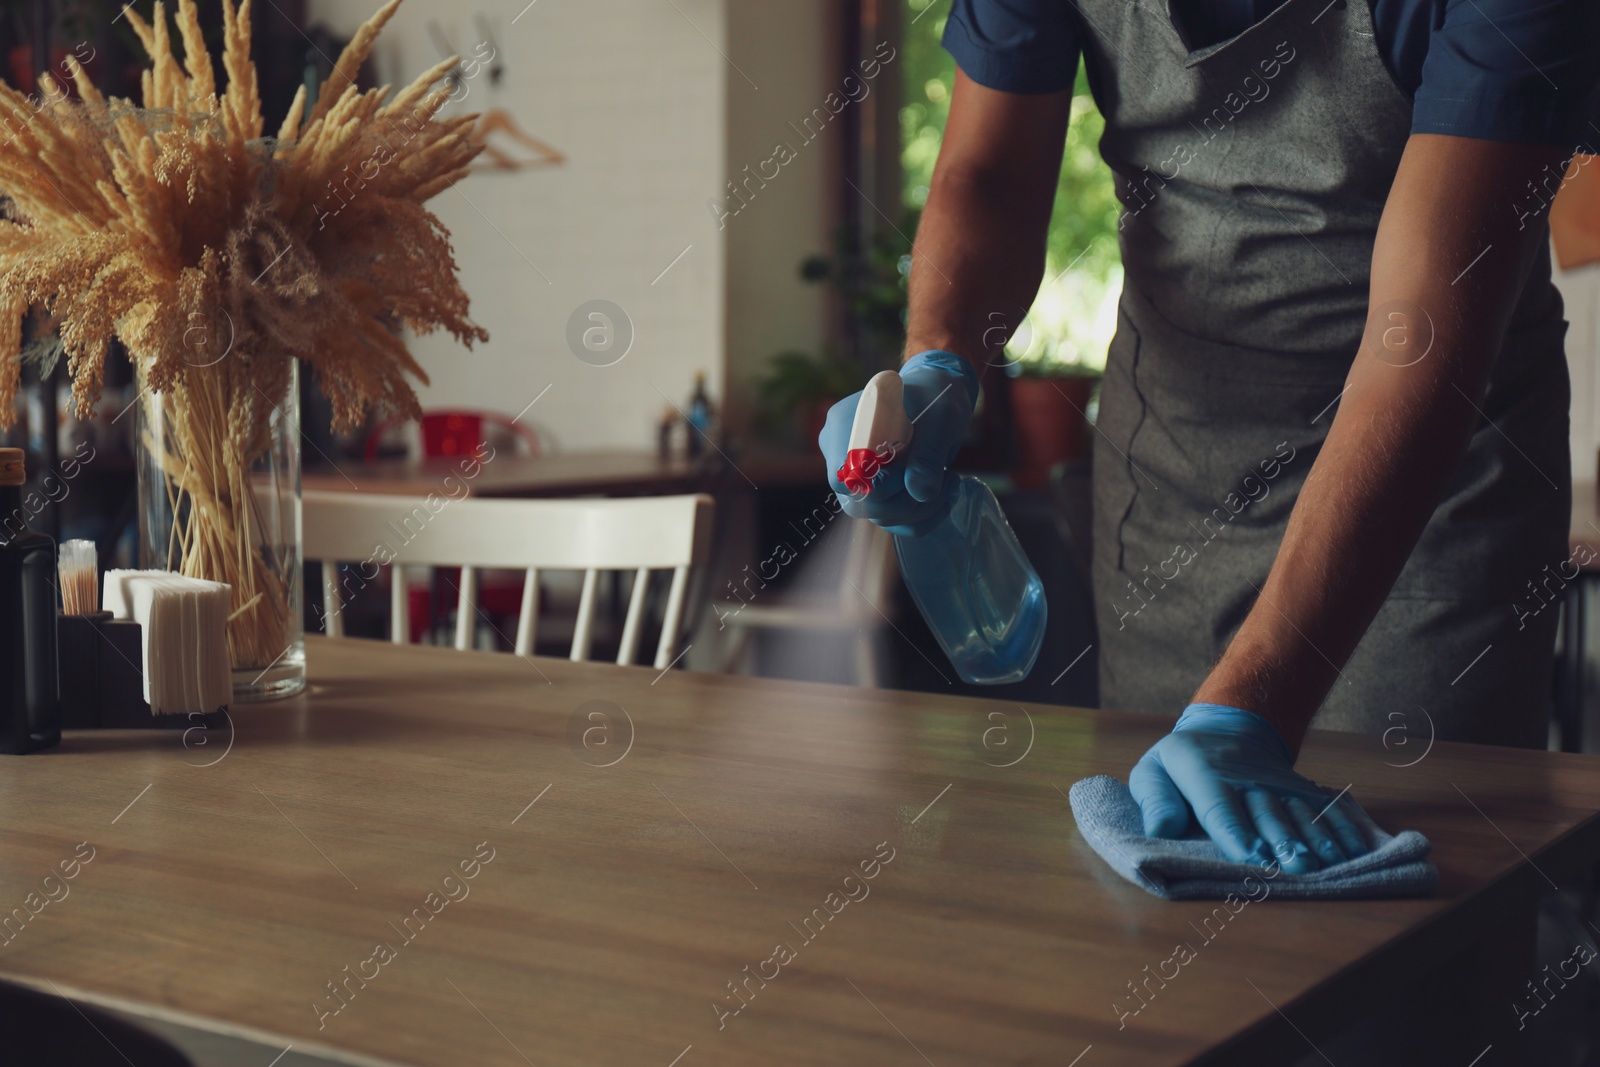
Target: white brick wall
(633,92)
(789,51)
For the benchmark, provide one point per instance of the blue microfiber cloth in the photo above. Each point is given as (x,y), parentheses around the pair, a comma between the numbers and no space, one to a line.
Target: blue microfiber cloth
(1193,868)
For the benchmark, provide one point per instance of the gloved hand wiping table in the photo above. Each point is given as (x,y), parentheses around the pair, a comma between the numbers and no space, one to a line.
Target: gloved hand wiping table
(1218,800)
(1230,770)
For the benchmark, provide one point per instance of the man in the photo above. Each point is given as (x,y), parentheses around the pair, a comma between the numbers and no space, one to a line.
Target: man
(1332,445)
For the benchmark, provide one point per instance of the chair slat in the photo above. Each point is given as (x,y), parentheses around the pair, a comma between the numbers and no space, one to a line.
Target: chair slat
(399,606)
(583,628)
(332,609)
(634,621)
(528,617)
(667,647)
(467,609)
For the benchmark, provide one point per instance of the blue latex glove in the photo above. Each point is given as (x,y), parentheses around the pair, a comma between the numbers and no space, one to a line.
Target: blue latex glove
(1235,773)
(912,490)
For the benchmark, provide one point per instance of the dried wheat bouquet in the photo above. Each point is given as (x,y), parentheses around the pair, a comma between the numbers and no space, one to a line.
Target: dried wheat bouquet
(177,226)
(218,256)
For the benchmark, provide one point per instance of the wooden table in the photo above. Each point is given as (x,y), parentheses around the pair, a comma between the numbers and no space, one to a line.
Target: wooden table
(619,901)
(611,473)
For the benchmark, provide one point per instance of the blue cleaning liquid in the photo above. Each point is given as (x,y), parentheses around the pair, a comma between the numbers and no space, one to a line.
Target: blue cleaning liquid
(975,587)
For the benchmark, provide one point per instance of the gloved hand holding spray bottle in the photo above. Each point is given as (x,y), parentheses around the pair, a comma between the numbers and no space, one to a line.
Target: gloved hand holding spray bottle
(959,557)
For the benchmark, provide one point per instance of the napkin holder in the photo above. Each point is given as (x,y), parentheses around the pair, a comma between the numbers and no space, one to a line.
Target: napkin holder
(101,685)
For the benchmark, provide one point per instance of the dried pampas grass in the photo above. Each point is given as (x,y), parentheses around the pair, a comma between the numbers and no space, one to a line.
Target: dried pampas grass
(217,256)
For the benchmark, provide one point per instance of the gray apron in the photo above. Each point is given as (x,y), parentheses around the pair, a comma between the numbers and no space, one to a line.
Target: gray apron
(1253,174)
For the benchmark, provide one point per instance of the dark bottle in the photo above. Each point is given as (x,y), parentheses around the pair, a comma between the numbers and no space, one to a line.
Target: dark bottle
(666,431)
(700,415)
(30,714)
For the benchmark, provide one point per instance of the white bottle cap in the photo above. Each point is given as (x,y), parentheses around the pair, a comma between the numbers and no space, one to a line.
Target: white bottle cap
(880,432)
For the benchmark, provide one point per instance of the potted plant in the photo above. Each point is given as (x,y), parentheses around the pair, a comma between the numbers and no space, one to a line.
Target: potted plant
(799,388)
(794,395)
(1050,404)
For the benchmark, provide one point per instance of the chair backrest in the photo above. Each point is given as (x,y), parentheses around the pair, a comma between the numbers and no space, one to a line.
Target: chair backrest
(639,534)
(37,1027)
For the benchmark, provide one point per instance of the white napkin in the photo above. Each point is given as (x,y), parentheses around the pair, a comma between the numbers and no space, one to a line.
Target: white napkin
(184,623)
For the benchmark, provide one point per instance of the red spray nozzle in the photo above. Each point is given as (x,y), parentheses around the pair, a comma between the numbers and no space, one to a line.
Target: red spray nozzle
(878,433)
(861,465)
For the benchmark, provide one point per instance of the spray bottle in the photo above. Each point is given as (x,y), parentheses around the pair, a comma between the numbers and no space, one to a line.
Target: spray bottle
(966,571)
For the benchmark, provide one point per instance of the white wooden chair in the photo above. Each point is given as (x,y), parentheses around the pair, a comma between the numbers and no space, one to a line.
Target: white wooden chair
(640,534)
(860,603)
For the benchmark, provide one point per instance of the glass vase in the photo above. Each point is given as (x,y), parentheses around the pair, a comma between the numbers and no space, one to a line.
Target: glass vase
(219,498)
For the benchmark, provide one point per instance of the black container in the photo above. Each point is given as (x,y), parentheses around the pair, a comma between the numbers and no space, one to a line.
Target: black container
(102,687)
(30,710)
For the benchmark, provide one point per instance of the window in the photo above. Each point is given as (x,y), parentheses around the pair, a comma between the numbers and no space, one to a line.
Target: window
(1074,313)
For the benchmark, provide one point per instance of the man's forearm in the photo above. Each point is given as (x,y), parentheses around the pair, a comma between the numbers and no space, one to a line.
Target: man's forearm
(978,261)
(1359,515)
(980,246)
(1449,263)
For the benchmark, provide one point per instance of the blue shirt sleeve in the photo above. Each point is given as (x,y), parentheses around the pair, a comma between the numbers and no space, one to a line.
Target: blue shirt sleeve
(1525,71)
(1015,46)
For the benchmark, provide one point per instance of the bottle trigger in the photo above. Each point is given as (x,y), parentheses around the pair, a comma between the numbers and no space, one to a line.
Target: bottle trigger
(880,430)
